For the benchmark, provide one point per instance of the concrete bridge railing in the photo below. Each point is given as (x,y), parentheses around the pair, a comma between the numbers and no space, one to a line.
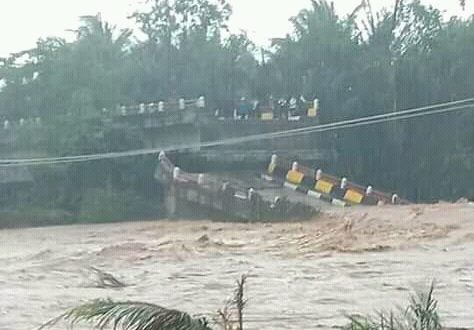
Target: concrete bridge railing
(318,184)
(224,200)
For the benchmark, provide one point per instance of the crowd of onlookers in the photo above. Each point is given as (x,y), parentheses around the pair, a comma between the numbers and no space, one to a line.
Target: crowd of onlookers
(290,108)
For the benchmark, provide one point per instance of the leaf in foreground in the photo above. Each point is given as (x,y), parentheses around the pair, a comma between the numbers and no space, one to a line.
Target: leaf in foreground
(105,314)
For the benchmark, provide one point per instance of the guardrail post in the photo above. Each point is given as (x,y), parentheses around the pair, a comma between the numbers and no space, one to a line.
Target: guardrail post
(369,190)
(274,159)
(141,108)
(316,105)
(182,104)
(176,172)
(343,185)
(319,174)
(201,102)
(200,179)
(161,155)
(395,199)
(294,166)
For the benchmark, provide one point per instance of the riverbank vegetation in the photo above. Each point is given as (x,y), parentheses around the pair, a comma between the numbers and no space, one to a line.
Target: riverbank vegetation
(420,314)
(365,63)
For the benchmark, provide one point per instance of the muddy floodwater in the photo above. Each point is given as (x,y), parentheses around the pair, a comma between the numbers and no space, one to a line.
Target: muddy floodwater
(301,275)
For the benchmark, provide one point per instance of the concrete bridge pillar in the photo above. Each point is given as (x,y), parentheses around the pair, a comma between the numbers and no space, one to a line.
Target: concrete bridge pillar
(170,202)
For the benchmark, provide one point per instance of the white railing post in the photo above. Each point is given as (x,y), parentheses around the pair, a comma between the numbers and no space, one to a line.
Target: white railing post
(200,179)
(395,199)
(343,183)
(316,105)
(319,174)
(176,172)
(250,193)
(182,104)
(141,108)
(161,156)
(201,102)
(369,190)
(295,166)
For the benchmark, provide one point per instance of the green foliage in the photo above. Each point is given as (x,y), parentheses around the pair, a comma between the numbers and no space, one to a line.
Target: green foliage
(185,55)
(369,63)
(129,316)
(171,21)
(366,63)
(101,205)
(421,314)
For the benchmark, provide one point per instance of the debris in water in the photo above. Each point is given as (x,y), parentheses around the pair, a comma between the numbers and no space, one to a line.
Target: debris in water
(105,280)
(203,239)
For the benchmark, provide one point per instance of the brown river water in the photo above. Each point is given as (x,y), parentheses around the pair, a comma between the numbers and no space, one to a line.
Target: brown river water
(301,275)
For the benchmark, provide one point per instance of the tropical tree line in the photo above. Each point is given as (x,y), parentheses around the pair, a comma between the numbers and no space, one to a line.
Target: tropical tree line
(364,63)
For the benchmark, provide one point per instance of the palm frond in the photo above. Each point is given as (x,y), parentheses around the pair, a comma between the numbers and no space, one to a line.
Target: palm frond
(128,316)
(356,10)
(421,314)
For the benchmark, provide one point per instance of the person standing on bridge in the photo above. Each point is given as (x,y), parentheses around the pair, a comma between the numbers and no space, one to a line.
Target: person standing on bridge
(244,109)
(281,108)
(256,113)
(201,102)
(293,107)
(302,106)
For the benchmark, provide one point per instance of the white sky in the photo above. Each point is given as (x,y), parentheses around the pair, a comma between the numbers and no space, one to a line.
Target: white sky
(22,22)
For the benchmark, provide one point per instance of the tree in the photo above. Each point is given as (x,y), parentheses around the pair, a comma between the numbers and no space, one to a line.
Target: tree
(363,64)
(185,54)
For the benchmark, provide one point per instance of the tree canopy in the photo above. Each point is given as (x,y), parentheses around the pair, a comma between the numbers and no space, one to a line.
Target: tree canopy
(362,64)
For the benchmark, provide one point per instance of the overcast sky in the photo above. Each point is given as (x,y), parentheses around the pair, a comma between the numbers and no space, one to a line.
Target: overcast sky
(22,22)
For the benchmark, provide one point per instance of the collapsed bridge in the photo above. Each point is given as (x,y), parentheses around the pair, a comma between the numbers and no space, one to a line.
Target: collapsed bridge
(285,191)
(199,195)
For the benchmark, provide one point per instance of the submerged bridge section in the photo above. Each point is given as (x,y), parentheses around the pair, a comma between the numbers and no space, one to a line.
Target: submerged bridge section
(294,192)
(288,191)
(183,125)
(322,186)
(205,195)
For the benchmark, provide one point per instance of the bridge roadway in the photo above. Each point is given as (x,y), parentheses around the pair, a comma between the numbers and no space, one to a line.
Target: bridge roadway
(270,190)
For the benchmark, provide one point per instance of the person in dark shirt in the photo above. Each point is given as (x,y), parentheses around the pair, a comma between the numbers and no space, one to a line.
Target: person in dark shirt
(244,108)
